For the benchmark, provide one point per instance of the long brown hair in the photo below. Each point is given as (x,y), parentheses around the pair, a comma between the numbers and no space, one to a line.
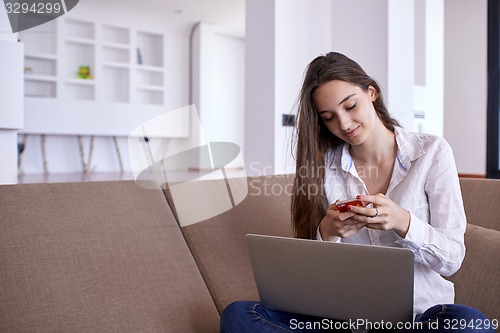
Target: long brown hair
(313,139)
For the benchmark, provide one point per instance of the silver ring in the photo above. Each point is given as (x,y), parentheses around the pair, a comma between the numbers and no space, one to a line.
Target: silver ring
(376,215)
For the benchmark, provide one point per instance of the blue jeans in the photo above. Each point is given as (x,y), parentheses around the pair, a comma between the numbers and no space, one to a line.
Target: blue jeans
(252,317)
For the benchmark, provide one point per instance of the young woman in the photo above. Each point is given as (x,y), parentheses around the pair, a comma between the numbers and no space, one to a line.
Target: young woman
(349,146)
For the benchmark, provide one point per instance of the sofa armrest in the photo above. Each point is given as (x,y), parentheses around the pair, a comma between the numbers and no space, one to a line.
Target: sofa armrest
(477,283)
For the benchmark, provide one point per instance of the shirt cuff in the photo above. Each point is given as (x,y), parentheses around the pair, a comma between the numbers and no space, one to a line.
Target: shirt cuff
(318,234)
(334,239)
(417,232)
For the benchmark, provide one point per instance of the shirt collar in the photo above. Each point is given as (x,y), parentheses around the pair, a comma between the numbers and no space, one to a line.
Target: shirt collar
(409,149)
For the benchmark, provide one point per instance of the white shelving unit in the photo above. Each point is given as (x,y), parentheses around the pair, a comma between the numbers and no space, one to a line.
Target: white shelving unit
(149,69)
(79,47)
(128,78)
(40,61)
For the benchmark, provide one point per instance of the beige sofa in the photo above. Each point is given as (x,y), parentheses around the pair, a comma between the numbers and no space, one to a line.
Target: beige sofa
(111,257)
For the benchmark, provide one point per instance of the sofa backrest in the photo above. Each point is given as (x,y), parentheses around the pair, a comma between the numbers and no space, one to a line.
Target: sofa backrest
(480,201)
(477,283)
(109,256)
(218,243)
(96,257)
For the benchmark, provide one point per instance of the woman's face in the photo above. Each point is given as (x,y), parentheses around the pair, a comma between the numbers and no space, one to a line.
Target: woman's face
(346,110)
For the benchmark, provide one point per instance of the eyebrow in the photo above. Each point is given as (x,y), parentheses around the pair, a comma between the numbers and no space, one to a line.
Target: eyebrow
(342,101)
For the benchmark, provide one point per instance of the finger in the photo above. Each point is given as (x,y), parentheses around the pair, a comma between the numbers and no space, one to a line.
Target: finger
(366,211)
(372,219)
(346,215)
(377,226)
(376,199)
(351,230)
(333,206)
(350,221)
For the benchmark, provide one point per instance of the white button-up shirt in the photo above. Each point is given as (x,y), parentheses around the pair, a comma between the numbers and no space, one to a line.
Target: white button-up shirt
(424,182)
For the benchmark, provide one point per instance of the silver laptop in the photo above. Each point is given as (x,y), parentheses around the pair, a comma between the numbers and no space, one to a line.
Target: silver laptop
(333,280)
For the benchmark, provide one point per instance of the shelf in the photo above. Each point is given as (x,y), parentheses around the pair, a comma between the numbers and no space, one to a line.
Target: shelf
(42,78)
(76,29)
(41,39)
(150,47)
(83,82)
(78,55)
(150,68)
(116,46)
(150,78)
(150,88)
(34,66)
(115,55)
(115,35)
(116,65)
(40,88)
(83,41)
(45,56)
(29,95)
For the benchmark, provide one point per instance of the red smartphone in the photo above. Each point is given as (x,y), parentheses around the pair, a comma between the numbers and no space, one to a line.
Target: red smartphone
(341,206)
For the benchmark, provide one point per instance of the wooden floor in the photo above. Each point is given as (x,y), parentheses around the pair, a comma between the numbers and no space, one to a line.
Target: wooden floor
(71,177)
(96,177)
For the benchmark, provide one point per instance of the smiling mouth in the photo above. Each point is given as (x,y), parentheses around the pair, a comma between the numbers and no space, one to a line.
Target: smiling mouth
(352,133)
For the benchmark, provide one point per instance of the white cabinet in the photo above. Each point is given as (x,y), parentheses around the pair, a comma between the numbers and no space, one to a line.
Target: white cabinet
(11,85)
(126,78)
(40,61)
(11,111)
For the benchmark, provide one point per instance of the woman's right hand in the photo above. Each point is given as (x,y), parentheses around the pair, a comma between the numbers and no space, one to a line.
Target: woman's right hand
(337,224)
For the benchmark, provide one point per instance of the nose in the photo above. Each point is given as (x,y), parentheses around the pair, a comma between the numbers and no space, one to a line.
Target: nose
(344,122)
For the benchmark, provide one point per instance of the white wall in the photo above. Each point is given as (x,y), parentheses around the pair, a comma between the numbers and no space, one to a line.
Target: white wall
(401,61)
(259,86)
(429,81)
(378,34)
(454,45)
(465,89)
(359,30)
(282,37)
(218,87)
(302,33)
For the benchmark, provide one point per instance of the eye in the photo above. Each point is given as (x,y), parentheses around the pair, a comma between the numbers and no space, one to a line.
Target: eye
(329,118)
(352,107)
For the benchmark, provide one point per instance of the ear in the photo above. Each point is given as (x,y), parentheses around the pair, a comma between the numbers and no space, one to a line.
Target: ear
(373,93)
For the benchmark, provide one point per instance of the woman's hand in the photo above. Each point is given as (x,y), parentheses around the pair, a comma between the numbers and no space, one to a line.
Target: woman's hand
(336,224)
(385,214)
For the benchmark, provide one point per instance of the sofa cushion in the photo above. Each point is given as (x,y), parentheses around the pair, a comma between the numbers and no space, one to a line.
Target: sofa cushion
(478,197)
(96,257)
(477,283)
(218,243)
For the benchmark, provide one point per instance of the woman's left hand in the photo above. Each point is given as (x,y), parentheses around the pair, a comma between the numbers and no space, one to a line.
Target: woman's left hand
(384,215)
